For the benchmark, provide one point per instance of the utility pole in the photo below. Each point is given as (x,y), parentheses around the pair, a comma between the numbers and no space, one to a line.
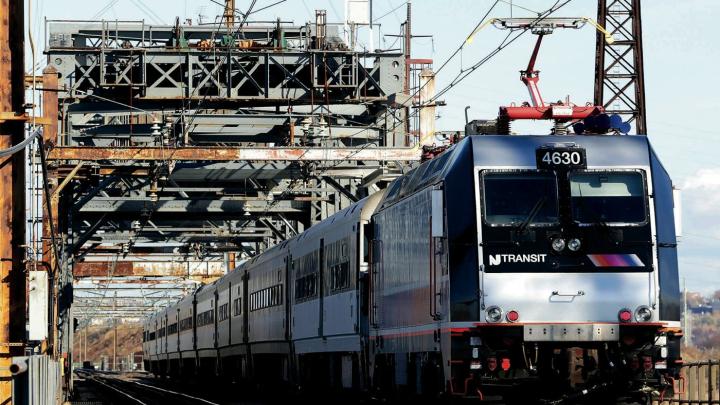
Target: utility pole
(85,343)
(619,69)
(229,14)
(408,45)
(407,36)
(408,56)
(114,334)
(12,184)
(687,327)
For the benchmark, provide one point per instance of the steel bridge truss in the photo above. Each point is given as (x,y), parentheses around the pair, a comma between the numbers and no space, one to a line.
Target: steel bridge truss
(126,298)
(182,151)
(289,77)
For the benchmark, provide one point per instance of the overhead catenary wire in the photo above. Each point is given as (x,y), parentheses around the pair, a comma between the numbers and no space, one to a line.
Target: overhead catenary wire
(103,10)
(147,11)
(442,66)
(509,39)
(267,7)
(464,73)
(512,4)
(237,13)
(389,12)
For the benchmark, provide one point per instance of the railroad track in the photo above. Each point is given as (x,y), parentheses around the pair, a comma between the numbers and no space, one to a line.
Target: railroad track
(127,389)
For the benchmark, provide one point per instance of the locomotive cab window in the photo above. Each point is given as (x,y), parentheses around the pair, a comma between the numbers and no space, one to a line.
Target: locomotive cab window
(608,197)
(516,198)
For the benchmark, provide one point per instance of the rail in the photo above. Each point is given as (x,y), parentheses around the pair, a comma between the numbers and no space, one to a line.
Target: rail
(139,390)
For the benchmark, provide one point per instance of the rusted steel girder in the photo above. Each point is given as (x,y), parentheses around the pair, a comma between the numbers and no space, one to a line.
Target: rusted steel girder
(12,198)
(193,270)
(90,153)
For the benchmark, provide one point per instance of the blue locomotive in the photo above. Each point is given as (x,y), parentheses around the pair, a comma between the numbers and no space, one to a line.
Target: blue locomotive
(520,266)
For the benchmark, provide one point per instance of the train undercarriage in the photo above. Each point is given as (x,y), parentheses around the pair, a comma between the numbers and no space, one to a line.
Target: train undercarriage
(486,363)
(501,362)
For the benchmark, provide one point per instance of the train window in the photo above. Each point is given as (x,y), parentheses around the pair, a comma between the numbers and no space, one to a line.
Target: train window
(393,191)
(607,197)
(436,167)
(266,298)
(340,276)
(186,324)
(172,329)
(366,237)
(514,198)
(306,287)
(223,312)
(237,306)
(206,318)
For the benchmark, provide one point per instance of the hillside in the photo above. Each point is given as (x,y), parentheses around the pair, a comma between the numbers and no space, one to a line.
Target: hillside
(100,343)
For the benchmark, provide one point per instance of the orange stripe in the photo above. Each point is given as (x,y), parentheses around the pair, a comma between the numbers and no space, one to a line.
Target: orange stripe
(421,333)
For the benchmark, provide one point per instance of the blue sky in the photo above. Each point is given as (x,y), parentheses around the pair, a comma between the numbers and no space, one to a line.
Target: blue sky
(681,54)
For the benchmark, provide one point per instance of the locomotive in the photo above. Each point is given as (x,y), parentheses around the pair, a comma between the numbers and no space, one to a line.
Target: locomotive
(526,267)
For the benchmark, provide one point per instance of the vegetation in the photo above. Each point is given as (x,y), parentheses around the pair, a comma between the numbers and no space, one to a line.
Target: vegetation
(100,342)
(704,327)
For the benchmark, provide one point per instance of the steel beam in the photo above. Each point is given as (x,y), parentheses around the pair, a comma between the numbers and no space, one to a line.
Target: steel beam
(123,302)
(104,280)
(196,270)
(91,290)
(89,153)
(339,187)
(195,206)
(12,198)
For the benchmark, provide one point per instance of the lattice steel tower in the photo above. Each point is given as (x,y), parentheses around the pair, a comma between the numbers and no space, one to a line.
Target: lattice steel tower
(619,73)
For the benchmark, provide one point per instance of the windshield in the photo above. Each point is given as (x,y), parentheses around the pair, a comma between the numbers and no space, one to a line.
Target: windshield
(607,197)
(514,198)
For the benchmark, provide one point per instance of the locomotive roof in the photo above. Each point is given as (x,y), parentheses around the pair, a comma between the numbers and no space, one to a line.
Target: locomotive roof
(519,151)
(602,150)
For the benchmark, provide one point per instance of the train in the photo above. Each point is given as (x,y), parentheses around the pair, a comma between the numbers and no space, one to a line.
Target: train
(523,267)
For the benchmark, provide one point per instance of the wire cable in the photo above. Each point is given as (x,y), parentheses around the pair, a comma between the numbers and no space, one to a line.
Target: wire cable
(22,145)
(511,4)
(46,186)
(504,44)
(389,12)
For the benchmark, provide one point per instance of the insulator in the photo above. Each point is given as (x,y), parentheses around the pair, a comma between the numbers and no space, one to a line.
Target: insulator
(503,125)
(559,128)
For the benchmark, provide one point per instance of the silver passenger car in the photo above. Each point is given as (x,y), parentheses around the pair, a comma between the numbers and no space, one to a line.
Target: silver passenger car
(506,261)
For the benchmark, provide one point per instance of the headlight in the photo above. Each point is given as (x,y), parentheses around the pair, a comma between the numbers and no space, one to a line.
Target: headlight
(558,244)
(643,313)
(493,314)
(574,244)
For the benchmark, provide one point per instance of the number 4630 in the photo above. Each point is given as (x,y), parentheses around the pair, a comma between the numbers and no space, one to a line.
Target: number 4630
(562,158)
